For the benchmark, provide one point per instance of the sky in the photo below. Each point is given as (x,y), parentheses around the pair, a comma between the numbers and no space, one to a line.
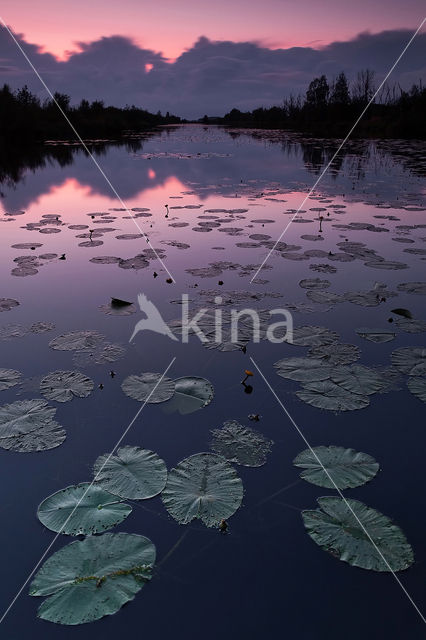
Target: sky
(192,57)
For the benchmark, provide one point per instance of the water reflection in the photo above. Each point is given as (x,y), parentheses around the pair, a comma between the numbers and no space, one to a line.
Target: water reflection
(205,160)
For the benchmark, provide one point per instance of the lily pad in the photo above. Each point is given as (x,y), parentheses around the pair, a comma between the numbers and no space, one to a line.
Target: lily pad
(49,436)
(314,283)
(335,353)
(376,335)
(358,379)
(410,360)
(23,416)
(92,578)
(9,378)
(241,444)
(417,288)
(82,509)
(132,473)
(6,304)
(76,341)
(336,530)
(191,394)
(63,386)
(203,486)
(102,353)
(309,336)
(148,387)
(347,468)
(303,369)
(417,387)
(331,396)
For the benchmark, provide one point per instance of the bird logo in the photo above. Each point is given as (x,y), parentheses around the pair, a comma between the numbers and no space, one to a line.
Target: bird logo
(153,320)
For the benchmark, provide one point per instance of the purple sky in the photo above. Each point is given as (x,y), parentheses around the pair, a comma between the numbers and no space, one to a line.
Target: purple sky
(252,54)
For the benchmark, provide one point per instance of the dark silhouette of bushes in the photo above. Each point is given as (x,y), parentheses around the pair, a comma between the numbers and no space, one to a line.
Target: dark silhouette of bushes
(330,110)
(24,118)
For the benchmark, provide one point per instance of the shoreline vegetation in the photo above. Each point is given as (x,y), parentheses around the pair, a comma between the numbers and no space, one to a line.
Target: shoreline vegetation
(328,109)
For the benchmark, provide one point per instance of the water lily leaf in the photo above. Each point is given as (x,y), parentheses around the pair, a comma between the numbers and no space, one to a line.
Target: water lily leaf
(76,341)
(9,378)
(92,578)
(314,283)
(62,386)
(132,473)
(309,336)
(240,444)
(410,360)
(6,304)
(376,335)
(417,386)
(336,530)
(411,326)
(49,436)
(348,468)
(24,416)
(303,369)
(417,288)
(203,486)
(358,379)
(82,509)
(102,353)
(328,395)
(191,394)
(335,353)
(147,387)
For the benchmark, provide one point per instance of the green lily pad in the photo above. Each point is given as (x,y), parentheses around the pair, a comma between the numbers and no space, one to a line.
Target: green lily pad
(132,473)
(191,394)
(82,509)
(147,387)
(410,360)
(9,378)
(417,387)
(336,530)
(348,468)
(241,444)
(63,386)
(328,395)
(93,578)
(203,486)
(24,416)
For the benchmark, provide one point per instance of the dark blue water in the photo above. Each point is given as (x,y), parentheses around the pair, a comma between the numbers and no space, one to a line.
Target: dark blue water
(265,577)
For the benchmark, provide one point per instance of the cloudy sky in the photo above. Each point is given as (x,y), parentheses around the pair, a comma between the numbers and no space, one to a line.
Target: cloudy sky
(193,57)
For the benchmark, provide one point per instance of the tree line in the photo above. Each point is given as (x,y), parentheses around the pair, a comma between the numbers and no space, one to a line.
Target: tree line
(25,118)
(331,108)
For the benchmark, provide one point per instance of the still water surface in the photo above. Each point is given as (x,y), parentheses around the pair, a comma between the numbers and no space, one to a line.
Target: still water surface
(265,577)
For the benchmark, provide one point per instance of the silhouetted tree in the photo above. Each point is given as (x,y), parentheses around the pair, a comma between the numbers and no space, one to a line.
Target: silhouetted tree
(317,93)
(340,91)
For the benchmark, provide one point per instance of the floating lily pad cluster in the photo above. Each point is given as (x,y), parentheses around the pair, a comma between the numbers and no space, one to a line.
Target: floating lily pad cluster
(185,395)
(89,347)
(346,528)
(331,380)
